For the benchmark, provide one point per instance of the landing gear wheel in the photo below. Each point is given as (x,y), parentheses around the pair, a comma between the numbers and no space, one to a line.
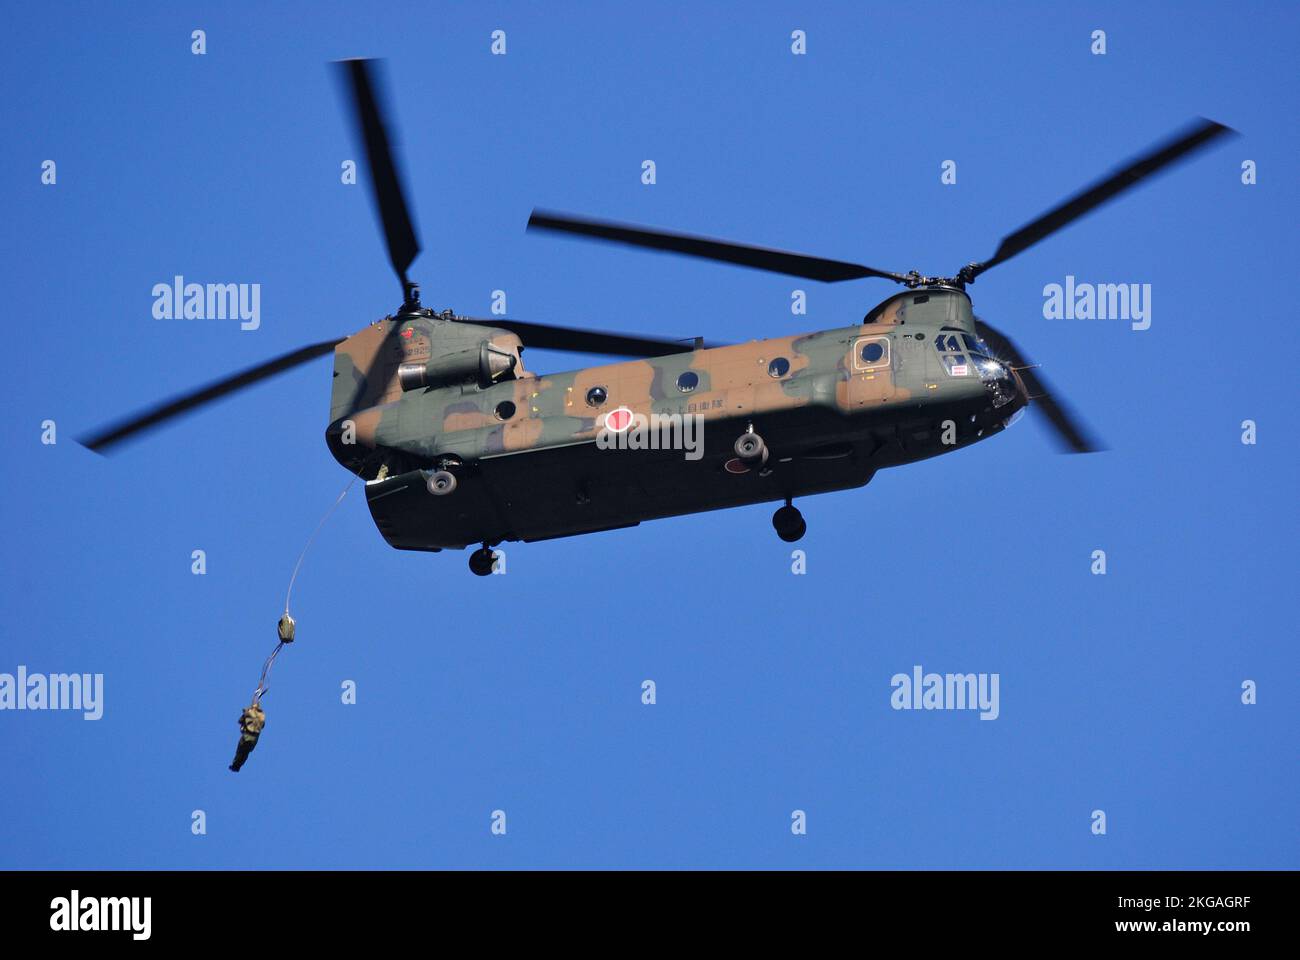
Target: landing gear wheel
(789,523)
(481,561)
(750,449)
(441,482)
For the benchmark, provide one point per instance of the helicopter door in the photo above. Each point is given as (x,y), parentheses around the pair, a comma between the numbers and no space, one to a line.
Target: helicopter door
(872,366)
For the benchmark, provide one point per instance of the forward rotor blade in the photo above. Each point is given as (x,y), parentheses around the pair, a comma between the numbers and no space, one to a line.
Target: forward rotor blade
(115,433)
(548,337)
(1069,429)
(385,181)
(760,258)
(1166,154)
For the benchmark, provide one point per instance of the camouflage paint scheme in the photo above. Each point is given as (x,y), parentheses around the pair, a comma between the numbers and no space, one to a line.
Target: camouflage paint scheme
(829,423)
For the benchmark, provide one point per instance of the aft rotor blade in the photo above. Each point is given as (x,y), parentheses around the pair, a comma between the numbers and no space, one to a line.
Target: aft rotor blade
(548,337)
(760,258)
(1166,154)
(385,180)
(115,433)
(1069,430)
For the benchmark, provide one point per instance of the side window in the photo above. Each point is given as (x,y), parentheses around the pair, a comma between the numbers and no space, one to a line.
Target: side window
(871,353)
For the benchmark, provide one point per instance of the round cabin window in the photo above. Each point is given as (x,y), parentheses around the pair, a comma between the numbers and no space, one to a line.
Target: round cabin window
(596,396)
(872,351)
(688,381)
(778,368)
(505,410)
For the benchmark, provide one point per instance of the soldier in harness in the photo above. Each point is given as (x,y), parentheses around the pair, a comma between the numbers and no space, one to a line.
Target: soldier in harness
(253,719)
(251,722)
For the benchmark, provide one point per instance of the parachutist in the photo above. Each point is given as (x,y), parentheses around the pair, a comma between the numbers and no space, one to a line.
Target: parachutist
(251,722)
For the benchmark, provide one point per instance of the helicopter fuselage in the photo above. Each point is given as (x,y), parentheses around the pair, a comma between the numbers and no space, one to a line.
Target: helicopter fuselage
(417,393)
(459,444)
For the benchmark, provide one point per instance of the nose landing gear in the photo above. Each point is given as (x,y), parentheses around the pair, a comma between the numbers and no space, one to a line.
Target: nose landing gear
(789,523)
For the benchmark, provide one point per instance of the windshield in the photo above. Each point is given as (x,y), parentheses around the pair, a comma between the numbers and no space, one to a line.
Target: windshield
(977,347)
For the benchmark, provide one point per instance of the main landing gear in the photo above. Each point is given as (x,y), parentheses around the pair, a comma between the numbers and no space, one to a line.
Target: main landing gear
(751,454)
(789,523)
(481,561)
(441,483)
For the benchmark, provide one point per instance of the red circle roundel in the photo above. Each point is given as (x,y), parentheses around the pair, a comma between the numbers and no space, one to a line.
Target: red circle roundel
(618,420)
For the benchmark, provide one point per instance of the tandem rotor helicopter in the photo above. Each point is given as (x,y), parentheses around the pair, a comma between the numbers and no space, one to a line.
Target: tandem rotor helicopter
(460,445)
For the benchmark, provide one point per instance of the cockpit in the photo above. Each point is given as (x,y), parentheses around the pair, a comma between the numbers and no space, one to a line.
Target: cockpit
(968,355)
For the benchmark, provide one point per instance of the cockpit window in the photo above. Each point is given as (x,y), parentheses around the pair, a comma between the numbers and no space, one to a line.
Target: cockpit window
(950,350)
(956,365)
(977,347)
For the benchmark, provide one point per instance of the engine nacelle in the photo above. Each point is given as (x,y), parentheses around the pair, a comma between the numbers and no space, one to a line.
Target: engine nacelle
(486,365)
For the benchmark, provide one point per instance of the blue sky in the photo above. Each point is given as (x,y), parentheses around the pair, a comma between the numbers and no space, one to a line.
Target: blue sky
(522,693)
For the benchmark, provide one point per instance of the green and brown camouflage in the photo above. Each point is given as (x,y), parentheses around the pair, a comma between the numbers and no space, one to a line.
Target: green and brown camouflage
(418,392)
(460,444)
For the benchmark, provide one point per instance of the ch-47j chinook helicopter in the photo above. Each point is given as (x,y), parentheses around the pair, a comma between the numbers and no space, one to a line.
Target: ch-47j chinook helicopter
(459,444)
